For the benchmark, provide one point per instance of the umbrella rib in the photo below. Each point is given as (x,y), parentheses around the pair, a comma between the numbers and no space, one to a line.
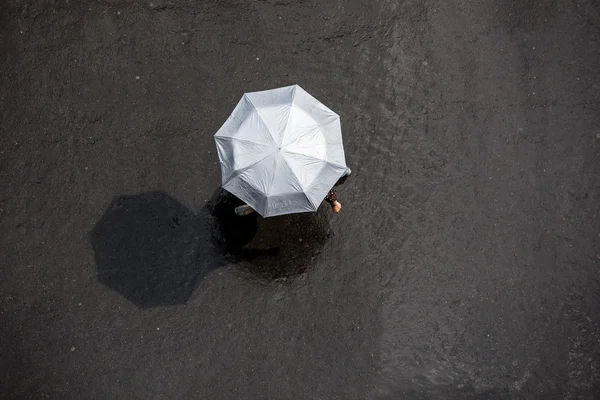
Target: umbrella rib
(314,158)
(294,173)
(279,140)
(245,140)
(272,178)
(242,140)
(262,120)
(310,201)
(238,172)
(318,126)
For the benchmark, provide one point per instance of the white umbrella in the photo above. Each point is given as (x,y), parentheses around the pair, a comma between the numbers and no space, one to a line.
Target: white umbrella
(281,151)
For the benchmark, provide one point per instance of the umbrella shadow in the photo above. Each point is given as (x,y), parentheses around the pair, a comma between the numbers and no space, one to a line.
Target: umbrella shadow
(154,251)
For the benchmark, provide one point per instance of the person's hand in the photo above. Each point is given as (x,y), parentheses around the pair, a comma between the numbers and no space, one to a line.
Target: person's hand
(336,207)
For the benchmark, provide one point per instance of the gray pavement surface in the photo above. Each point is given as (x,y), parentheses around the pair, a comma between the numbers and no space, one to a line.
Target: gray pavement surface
(464,264)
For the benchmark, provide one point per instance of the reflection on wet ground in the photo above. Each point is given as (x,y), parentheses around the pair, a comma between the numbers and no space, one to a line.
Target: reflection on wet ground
(276,248)
(154,251)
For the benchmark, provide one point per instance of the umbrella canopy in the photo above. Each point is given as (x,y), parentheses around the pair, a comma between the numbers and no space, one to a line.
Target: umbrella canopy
(281,151)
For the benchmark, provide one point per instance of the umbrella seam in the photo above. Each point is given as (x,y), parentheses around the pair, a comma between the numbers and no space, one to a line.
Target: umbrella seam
(315,158)
(290,111)
(262,120)
(304,134)
(319,160)
(320,126)
(310,201)
(293,173)
(316,103)
(279,145)
(313,183)
(243,140)
(239,171)
(272,180)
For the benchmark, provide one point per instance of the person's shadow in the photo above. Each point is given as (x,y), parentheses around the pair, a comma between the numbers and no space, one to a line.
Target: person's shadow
(154,251)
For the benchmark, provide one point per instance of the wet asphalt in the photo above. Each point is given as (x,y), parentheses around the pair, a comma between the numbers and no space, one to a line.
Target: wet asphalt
(464,264)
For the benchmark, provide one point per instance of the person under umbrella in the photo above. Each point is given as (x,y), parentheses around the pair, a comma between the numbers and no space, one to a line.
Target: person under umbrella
(331,198)
(281,151)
